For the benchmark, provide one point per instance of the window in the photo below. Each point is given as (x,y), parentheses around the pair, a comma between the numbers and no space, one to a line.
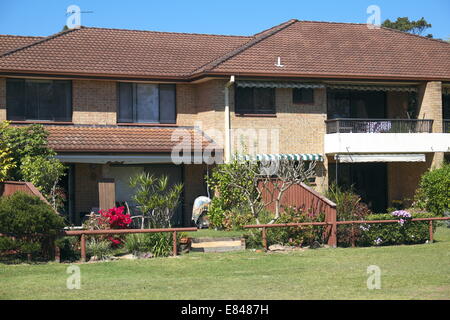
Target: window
(303,95)
(28,99)
(146,103)
(255,100)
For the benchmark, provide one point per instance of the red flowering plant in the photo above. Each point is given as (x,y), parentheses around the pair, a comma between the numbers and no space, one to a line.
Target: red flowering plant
(113,218)
(117,220)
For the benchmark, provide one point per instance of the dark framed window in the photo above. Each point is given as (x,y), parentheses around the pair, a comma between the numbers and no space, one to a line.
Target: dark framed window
(146,103)
(303,95)
(44,100)
(255,100)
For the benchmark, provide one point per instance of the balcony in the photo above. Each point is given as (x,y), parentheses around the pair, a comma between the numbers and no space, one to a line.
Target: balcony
(346,136)
(378,126)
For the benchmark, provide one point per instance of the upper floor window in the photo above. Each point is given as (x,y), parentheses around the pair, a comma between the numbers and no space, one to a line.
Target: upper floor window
(46,100)
(255,100)
(303,95)
(146,103)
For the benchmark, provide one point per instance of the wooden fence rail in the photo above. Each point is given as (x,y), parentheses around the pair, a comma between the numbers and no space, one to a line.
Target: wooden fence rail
(334,225)
(84,233)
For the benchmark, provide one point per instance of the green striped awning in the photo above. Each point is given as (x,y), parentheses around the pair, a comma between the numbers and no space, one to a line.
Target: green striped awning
(277,156)
(278,84)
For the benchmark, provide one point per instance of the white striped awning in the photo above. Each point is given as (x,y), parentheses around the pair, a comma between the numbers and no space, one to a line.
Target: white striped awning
(400,157)
(278,84)
(373,87)
(278,156)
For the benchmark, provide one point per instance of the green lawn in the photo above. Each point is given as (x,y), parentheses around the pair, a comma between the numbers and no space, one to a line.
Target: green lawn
(211,233)
(408,272)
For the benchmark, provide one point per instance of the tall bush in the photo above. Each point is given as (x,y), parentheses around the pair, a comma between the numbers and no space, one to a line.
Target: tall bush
(227,197)
(157,200)
(348,207)
(29,221)
(433,193)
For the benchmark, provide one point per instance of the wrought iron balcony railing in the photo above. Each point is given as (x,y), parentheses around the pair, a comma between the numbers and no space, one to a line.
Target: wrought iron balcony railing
(378,125)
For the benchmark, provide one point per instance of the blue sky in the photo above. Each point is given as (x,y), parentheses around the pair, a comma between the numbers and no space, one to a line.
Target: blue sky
(242,17)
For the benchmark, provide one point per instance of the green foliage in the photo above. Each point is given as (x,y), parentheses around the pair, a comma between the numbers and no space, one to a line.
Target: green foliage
(159,244)
(228,197)
(99,248)
(69,248)
(30,220)
(411,232)
(26,141)
(6,160)
(405,25)
(292,236)
(349,207)
(45,173)
(156,199)
(433,193)
(33,160)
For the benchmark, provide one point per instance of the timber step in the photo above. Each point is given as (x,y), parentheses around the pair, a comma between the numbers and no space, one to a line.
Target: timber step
(217,244)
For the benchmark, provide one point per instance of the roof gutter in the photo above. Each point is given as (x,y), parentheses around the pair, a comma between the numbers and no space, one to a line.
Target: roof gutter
(227,146)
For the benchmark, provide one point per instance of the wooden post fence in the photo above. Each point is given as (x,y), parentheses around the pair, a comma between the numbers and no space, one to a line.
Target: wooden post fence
(333,223)
(84,233)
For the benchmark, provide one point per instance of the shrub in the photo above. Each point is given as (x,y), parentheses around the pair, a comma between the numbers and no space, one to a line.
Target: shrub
(30,221)
(403,232)
(69,248)
(228,195)
(113,218)
(157,199)
(160,244)
(98,247)
(293,236)
(433,193)
(348,207)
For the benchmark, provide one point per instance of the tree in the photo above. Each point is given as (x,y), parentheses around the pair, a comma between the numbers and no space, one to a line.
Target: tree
(6,160)
(45,173)
(288,173)
(405,25)
(261,185)
(33,160)
(157,201)
(433,193)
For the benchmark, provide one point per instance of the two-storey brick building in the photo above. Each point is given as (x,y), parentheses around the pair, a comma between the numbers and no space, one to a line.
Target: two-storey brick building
(369,104)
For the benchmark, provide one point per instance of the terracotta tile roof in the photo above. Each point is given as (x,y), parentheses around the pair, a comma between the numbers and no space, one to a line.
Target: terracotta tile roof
(311,48)
(9,42)
(306,49)
(72,138)
(121,52)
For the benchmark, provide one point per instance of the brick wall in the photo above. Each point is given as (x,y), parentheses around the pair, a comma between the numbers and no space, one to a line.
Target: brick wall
(2,99)
(94,102)
(403,179)
(300,127)
(186,104)
(430,103)
(430,107)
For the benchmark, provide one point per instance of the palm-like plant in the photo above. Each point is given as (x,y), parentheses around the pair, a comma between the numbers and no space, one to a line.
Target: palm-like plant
(157,201)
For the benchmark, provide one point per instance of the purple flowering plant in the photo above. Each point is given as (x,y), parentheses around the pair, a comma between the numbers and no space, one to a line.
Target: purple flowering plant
(403,215)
